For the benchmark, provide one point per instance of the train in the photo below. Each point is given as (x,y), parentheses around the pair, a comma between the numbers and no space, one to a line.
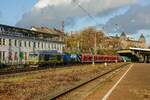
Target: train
(53,57)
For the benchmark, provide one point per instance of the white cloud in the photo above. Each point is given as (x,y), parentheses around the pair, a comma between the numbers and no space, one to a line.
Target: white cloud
(97,3)
(52,12)
(135,19)
(45,3)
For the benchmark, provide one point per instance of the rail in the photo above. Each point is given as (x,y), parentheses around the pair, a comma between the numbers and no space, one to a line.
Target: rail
(61,93)
(23,69)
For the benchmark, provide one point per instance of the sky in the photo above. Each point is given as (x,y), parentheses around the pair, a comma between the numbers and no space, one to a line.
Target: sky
(11,11)
(111,16)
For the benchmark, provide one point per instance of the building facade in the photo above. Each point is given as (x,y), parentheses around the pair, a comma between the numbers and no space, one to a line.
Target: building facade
(17,43)
(126,43)
(123,42)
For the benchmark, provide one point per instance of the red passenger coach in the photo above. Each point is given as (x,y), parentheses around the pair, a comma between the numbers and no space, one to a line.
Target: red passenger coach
(87,58)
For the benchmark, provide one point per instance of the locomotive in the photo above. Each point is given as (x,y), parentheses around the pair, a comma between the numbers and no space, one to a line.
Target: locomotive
(53,57)
(45,57)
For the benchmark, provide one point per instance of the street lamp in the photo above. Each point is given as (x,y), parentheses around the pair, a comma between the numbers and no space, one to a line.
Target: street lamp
(94,52)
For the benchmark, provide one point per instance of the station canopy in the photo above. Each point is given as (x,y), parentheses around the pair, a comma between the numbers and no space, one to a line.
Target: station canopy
(132,50)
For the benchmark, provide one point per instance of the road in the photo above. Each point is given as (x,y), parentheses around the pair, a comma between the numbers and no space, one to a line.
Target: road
(133,83)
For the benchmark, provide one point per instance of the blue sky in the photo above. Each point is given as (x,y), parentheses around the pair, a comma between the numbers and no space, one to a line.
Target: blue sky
(12,10)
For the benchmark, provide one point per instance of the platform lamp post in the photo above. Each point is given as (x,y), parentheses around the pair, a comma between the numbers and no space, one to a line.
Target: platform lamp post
(78,46)
(94,50)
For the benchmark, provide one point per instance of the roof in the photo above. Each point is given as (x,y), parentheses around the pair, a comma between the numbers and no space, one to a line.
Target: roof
(124,51)
(114,37)
(134,41)
(133,50)
(27,31)
(142,36)
(140,49)
(47,30)
(123,34)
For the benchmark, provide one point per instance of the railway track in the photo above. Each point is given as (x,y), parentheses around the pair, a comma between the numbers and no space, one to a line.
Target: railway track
(16,70)
(19,70)
(77,86)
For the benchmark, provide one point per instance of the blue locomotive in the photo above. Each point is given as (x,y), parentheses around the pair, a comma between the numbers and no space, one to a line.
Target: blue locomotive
(69,58)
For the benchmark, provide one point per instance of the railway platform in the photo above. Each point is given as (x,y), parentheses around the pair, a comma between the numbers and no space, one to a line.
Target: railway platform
(133,83)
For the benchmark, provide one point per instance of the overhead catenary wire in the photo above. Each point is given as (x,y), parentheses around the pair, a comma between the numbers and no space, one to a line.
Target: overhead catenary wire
(84,10)
(89,15)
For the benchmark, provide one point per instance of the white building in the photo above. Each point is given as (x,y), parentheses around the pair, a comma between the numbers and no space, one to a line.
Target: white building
(17,43)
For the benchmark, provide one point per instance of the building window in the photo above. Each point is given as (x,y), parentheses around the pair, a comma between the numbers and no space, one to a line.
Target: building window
(25,44)
(38,44)
(15,42)
(3,55)
(29,44)
(0,41)
(10,55)
(58,47)
(54,46)
(34,44)
(1,30)
(46,45)
(3,41)
(42,45)
(10,42)
(20,44)
(49,46)
(16,56)
(0,56)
